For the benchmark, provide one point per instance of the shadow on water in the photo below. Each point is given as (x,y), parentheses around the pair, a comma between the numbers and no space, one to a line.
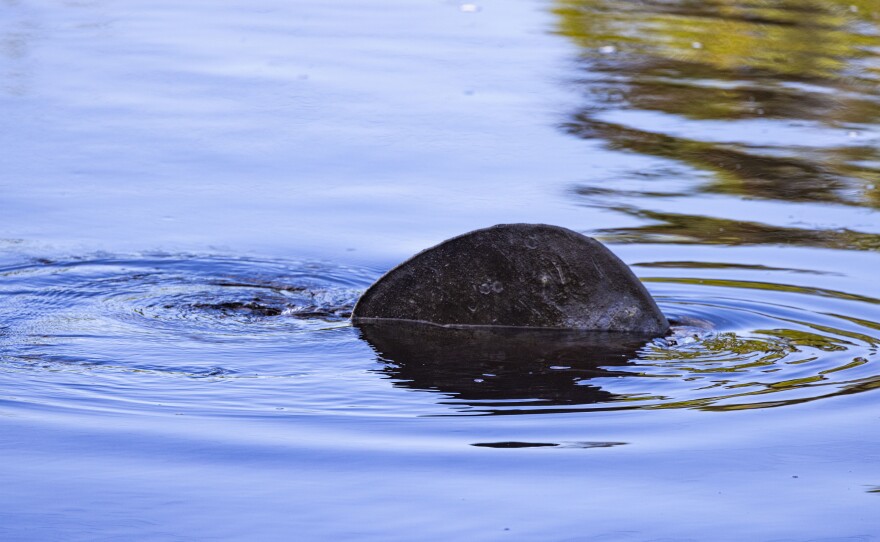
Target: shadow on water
(774,101)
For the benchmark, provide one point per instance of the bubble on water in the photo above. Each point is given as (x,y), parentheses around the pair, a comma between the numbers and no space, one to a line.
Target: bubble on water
(608,49)
(696,45)
(469,8)
(854,9)
(478,380)
(485,288)
(853,134)
(497,287)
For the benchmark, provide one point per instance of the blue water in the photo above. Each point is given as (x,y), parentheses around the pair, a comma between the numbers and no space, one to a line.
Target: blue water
(192,198)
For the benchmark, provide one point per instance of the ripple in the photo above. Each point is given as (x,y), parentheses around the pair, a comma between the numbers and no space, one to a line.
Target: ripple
(223,336)
(734,345)
(179,299)
(769,347)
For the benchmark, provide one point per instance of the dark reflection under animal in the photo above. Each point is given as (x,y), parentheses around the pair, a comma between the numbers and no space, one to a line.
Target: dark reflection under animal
(515,313)
(486,366)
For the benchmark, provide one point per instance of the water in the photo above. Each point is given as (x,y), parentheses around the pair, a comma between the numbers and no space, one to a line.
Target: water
(194,196)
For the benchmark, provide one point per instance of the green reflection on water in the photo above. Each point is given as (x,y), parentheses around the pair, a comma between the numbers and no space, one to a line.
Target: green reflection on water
(706,230)
(808,65)
(755,285)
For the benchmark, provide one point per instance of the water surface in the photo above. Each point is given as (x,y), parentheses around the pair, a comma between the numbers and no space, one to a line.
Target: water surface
(194,196)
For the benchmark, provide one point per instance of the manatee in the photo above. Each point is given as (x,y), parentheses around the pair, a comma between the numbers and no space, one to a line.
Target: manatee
(515,275)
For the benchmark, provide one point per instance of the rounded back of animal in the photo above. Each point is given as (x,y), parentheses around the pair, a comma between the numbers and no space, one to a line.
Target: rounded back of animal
(518,275)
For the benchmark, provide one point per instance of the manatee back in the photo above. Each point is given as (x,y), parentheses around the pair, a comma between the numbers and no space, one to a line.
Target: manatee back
(523,275)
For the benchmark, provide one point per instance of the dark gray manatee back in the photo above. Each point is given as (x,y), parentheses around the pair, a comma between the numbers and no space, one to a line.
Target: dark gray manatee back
(524,275)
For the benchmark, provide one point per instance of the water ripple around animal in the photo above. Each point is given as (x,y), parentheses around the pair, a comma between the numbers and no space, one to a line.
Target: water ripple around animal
(734,345)
(222,336)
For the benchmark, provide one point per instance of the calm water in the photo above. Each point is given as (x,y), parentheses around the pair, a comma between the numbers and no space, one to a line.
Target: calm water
(195,194)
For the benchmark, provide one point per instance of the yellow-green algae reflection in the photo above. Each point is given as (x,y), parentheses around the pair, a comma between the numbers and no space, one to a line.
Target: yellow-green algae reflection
(803,357)
(754,123)
(794,82)
(735,345)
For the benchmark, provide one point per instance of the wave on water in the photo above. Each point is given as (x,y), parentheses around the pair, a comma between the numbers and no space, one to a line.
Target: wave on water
(113,330)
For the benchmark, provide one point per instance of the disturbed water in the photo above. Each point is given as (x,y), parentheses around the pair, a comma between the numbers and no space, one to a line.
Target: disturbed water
(194,196)
(276,336)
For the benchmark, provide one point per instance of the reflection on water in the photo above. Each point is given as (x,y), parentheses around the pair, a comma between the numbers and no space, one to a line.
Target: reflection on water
(516,444)
(498,367)
(198,388)
(735,345)
(706,230)
(775,101)
(142,330)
